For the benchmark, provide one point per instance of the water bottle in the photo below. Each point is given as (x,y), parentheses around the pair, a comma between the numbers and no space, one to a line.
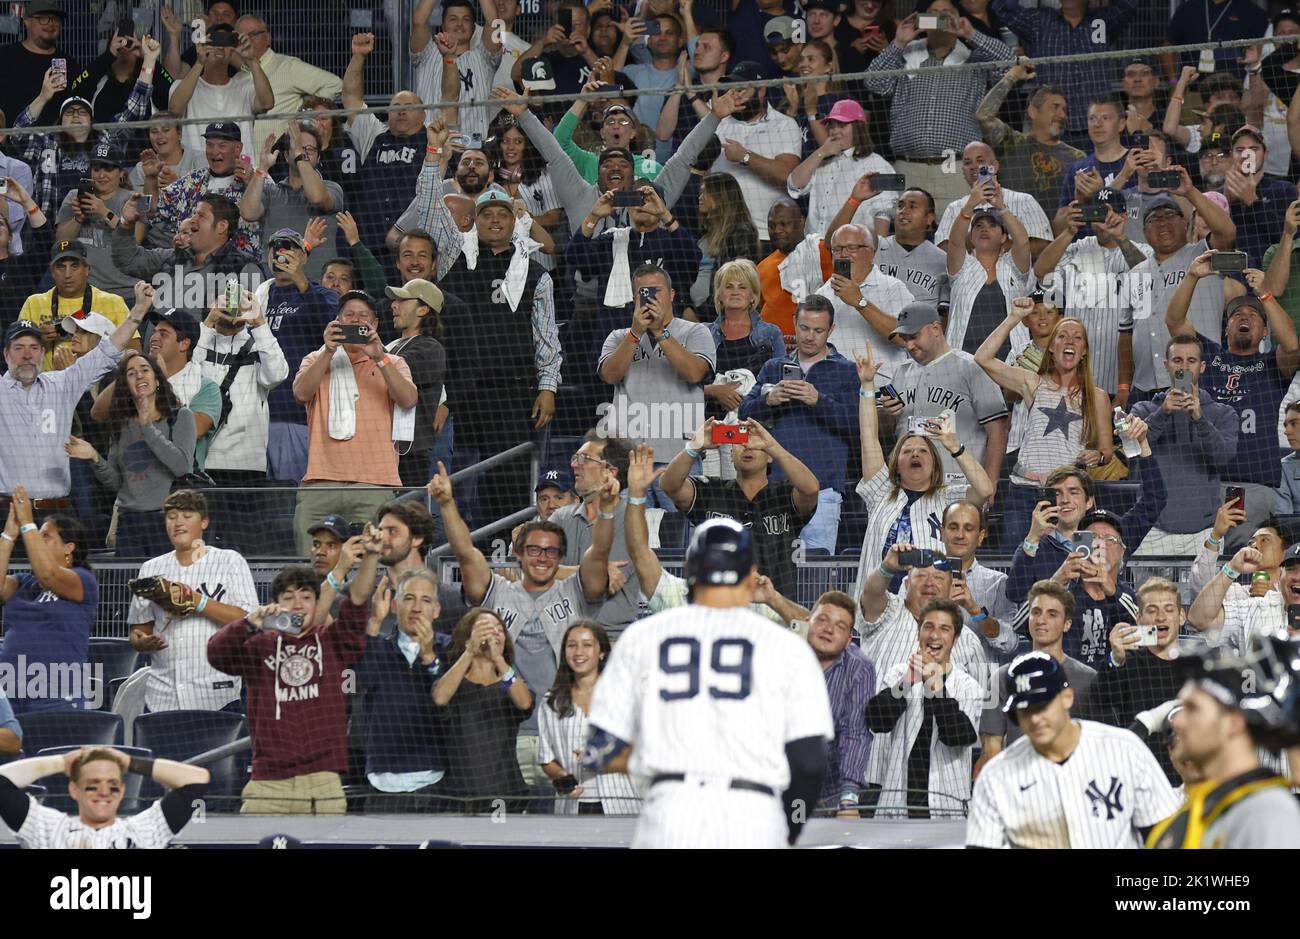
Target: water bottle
(1131,447)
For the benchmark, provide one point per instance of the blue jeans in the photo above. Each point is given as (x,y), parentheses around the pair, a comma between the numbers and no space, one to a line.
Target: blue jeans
(286,451)
(824,527)
(23,705)
(1017,516)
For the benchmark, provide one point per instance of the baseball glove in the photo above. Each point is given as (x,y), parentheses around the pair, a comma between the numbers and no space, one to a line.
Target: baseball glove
(171,596)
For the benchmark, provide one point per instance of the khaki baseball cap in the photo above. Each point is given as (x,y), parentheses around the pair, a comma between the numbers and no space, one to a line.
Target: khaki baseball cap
(419,289)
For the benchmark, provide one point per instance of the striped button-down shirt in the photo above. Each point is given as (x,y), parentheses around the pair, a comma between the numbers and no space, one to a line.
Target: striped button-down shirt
(1044,32)
(850,683)
(35,423)
(935,111)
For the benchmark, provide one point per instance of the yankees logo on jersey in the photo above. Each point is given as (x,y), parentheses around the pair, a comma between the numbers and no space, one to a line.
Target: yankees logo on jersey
(1110,787)
(711,697)
(1108,801)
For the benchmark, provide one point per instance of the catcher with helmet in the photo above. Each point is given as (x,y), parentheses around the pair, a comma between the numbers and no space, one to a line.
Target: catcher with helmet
(1233,704)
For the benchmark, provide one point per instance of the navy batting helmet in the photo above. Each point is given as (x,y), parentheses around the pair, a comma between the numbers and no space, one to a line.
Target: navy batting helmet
(1262,682)
(721,553)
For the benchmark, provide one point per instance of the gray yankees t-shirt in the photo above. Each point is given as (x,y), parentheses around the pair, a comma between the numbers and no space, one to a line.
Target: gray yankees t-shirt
(625,606)
(923,268)
(536,623)
(954,382)
(653,403)
(1155,286)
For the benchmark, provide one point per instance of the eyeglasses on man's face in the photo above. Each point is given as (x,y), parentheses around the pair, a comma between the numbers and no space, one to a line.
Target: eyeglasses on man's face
(548,551)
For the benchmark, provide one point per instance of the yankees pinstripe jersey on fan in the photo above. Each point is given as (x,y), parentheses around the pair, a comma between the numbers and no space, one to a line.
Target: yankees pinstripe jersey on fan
(714,694)
(49,828)
(180,677)
(1245,617)
(890,642)
(924,520)
(1109,787)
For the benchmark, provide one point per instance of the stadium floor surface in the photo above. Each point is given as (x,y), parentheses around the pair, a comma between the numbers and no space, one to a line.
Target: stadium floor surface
(526,831)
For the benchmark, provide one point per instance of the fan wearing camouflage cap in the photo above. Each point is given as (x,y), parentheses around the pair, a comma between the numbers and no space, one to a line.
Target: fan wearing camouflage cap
(1233,704)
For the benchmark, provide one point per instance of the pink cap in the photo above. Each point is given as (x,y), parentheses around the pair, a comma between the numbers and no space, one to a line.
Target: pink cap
(846,111)
(1218,199)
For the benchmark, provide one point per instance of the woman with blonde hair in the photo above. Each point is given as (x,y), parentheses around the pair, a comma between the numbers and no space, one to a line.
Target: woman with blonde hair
(806,101)
(744,342)
(1068,420)
(907,495)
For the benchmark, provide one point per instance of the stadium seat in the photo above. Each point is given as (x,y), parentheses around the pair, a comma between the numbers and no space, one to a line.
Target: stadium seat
(48,729)
(113,687)
(128,700)
(180,735)
(57,786)
(115,658)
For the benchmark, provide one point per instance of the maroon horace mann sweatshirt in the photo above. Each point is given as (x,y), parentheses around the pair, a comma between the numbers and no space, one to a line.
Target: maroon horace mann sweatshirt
(295,690)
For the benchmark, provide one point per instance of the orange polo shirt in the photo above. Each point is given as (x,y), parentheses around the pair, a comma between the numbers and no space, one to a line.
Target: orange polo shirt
(778,305)
(369,456)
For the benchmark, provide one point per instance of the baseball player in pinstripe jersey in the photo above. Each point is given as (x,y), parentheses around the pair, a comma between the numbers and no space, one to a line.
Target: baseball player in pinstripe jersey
(181,599)
(1066,783)
(96,782)
(723,713)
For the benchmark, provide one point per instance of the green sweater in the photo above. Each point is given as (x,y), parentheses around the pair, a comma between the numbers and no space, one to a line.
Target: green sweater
(588,163)
(1290,297)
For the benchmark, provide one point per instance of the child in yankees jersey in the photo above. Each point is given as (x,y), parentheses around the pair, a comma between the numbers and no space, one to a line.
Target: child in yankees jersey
(1066,783)
(96,783)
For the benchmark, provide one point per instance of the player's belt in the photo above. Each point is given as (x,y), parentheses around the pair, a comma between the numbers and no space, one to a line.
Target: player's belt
(744,784)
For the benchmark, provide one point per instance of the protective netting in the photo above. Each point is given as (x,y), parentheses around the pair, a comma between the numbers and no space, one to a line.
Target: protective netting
(882,294)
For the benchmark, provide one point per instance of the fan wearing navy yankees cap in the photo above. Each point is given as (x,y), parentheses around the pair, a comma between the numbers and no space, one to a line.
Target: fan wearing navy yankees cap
(1234,704)
(89,215)
(96,782)
(726,716)
(555,489)
(1066,783)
